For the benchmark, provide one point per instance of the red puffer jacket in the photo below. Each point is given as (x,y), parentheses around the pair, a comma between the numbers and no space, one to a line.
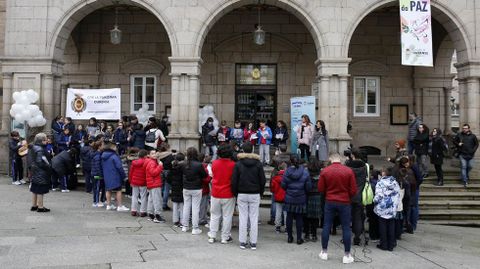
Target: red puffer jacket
(276,187)
(137,174)
(153,171)
(206,181)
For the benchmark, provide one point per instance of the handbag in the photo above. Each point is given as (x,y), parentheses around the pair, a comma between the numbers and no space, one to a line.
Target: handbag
(367,192)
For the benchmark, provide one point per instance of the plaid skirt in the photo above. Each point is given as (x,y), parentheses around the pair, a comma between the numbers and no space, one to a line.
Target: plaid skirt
(295,208)
(314,207)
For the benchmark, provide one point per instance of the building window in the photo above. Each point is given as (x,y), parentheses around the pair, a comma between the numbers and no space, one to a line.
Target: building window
(366,96)
(143,91)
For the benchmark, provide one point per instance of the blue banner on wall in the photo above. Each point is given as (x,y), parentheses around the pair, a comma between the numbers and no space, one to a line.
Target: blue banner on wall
(300,106)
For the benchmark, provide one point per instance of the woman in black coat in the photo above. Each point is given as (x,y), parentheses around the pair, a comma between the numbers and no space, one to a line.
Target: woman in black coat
(175,179)
(421,142)
(438,145)
(40,167)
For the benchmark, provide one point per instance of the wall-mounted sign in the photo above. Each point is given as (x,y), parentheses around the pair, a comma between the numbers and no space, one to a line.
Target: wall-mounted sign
(83,104)
(256,74)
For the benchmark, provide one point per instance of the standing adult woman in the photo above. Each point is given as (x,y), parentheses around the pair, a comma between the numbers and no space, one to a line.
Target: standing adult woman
(320,142)
(437,147)
(304,137)
(41,173)
(296,183)
(280,135)
(421,142)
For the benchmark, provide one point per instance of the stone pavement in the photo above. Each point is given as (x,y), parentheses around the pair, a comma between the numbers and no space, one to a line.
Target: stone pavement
(74,235)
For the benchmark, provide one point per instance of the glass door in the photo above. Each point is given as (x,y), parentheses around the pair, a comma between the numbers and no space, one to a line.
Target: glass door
(255,105)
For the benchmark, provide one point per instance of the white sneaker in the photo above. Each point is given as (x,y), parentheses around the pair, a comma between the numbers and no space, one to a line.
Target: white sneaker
(323,255)
(77,166)
(211,240)
(111,207)
(196,231)
(122,208)
(65,191)
(55,189)
(23,181)
(348,259)
(100,204)
(184,229)
(94,205)
(17,183)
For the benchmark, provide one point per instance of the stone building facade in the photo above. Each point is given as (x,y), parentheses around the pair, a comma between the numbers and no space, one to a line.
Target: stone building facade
(185,54)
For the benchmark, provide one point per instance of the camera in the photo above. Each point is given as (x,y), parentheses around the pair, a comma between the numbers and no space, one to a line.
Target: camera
(348,152)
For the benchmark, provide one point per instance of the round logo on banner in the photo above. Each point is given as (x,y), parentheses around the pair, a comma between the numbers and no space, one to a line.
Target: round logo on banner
(256,73)
(79,104)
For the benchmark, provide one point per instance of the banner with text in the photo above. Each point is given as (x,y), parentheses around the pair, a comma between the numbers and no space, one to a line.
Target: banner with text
(83,104)
(416,32)
(300,106)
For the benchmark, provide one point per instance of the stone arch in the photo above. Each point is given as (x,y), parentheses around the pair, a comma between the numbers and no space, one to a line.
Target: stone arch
(230,5)
(76,13)
(442,14)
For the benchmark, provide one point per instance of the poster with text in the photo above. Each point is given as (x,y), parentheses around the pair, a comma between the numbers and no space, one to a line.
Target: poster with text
(300,106)
(416,32)
(103,104)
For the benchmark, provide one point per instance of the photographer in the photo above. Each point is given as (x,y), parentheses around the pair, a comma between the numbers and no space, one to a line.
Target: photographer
(359,168)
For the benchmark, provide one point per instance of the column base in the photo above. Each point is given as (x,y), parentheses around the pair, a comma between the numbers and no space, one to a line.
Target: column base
(4,159)
(339,144)
(181,142)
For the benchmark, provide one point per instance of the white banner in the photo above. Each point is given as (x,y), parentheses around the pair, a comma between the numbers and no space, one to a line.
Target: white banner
(416,29)
(103,104)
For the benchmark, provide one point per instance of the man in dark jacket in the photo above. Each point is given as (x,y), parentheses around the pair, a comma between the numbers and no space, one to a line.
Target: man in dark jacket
(358,212)
(248,184)
(467,144)
(208,138)
(412,130)
(63,165)
(163,126)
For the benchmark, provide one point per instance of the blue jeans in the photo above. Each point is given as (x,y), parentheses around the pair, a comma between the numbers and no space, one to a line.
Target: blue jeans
(466,168)
(88,180)
(63,182)
(411,147)
(98,186)
(344,211)
(273,209)
(165,192)
(414,211)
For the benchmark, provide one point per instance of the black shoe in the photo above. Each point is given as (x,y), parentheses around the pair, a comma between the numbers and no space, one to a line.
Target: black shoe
(380,247)
(33,208)
(43,209)
(356,242)
(278,230)
(300,241)
(438,183)
(151,217)
(271,222)
(290,239)
(307,237)
(314,238)
(167,208)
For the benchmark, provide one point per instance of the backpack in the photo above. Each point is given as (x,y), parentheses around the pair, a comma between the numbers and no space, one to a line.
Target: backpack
(367,192)
(151,136)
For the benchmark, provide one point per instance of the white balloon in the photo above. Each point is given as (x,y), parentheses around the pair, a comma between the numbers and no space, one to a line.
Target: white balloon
(15,96)
(32,95)
(33,109)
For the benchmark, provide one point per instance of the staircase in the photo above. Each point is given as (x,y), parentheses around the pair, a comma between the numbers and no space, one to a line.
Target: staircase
(451,204)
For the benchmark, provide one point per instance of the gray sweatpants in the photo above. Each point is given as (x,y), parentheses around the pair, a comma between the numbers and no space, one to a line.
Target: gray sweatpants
(248,205)
(221,208)
(142,192)
(177,212)
(278,214)
(204,208)
(191,202)
(264,153)
(155,201)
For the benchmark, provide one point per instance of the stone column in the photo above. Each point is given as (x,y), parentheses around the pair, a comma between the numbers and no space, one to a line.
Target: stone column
(447,91)
(48,99)
(7,101)
(418,101)
(57,95)
(185,102)
(472,104)
(333,73)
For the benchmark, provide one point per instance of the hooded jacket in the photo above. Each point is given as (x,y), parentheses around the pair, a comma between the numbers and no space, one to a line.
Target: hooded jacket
(360,171)
(97,170)
(40,166)
(175,179)
(138,139)
(166,158)
(137,175)
(248,176)
(208,140)
(296,183)
(387,197)
(276,187)
(113,172)
(86,155)
(222,170)
(193,175)
(152,171)
(63,164)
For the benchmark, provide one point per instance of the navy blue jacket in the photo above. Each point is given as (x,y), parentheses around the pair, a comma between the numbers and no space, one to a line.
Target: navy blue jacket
(13,148)
(296,183)
(63,164)
(138,139)
(96,166)
(61,141)
(282,131)
(57,127)
(79,136)
(70,126)
(86,155)
(113,173)
(120,136)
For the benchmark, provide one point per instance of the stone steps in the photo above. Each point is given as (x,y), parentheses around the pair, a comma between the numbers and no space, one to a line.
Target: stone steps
(446,195)
(450,214)
(449,204)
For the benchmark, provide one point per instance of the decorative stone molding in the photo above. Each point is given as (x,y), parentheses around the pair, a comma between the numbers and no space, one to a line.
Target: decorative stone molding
(368,68)
(142,66)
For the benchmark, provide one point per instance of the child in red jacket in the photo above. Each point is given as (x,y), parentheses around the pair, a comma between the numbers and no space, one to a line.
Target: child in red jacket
(279,196)
(205,190)
(138,181)
(153,169)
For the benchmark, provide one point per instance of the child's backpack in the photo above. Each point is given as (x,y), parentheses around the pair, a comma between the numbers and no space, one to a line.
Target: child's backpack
(151,136)
(367,192)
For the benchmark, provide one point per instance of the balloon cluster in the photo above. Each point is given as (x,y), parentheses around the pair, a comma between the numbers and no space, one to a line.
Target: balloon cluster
(205,113)
(24,109)
(143,114)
